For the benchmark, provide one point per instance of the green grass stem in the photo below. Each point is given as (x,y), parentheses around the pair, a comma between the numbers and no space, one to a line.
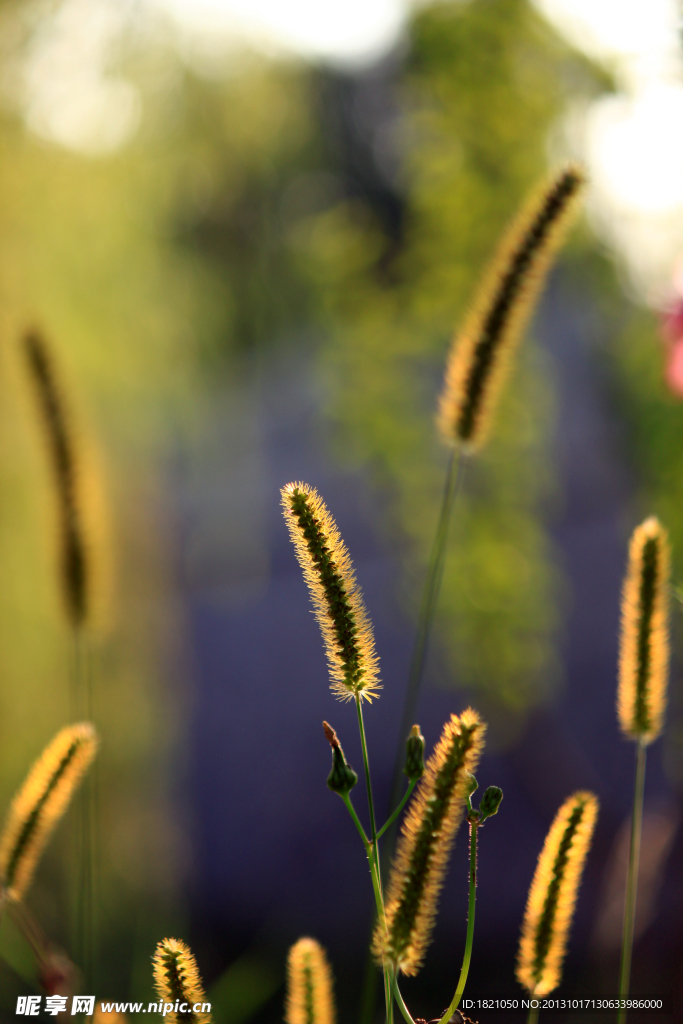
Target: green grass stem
(430,593)
(373,855)
(632,877)
(361,831)
(400,1001)
(390,821)
(86,815)
(467,956)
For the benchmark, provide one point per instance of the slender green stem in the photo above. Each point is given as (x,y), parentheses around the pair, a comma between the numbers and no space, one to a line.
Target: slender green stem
(376,887)
(82,701)
(366,766)
(467,956)
(368,784)
(399,999)
(369,851)
(430,594)
(387,996)
(352,811)
(394,816)
(533,1015)
(632,878)
(373,856)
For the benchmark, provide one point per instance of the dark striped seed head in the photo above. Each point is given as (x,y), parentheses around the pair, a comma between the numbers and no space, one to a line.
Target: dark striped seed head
(644,648)
(337,600)
(552,896)
(481,352)
(177,981)
(425,843)
(309,985)
(41,802)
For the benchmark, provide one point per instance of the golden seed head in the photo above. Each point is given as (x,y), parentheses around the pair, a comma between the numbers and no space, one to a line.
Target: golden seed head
(424,845)
(644,648)
(337,600)
(177,980)
(309,985)
(481,352)
(41,802)
(552,896)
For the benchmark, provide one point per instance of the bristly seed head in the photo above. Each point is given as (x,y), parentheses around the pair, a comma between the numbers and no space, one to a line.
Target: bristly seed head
(41,802)
(177,980)
(553,892)
(481,352)
(336,597)
(644,649)
(309,985)
(425,843)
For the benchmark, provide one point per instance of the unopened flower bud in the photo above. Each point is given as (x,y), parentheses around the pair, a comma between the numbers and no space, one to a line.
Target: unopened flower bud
(490,802)
(415,749)
(342,778)
(471,784)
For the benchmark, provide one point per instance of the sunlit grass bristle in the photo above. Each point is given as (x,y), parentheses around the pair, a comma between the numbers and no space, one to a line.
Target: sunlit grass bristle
(40,803)
(309,985)
(552,896)
(177,981)
(336,596)
(644,651)
(73,555)
(481,352)
(425,843)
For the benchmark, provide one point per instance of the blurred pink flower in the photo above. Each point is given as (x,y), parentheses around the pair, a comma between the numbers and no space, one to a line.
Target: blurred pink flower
(672,331)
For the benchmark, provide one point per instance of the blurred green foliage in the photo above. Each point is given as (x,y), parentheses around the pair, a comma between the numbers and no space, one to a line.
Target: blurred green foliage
(114,258)
(244,988)
(166,275)
(482,87)
(633,360)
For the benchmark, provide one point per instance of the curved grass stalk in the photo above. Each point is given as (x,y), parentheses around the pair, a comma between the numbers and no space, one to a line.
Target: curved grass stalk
(373,857)
(430,595)
(632,878)
(467,956)
(406,796)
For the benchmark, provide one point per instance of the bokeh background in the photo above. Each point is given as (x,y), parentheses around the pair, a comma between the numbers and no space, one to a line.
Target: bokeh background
(248,232)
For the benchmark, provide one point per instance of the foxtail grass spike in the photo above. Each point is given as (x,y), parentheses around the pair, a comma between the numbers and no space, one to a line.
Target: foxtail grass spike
(481,352)
(40,803)
(74,562)
(644,653)
(178,982)
(552,896)
(425,843)
(337,600)
(309,985)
